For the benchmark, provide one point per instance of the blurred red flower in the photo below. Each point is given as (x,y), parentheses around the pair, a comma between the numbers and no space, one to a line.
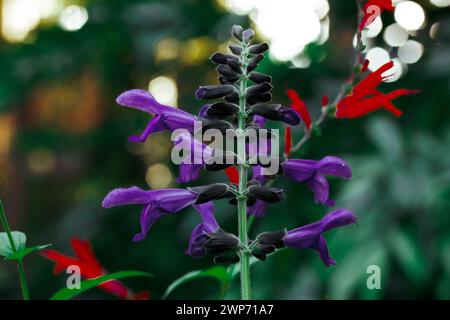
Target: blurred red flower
(365,97)
(287,141)
(90,268)
(299,106)
(233,174)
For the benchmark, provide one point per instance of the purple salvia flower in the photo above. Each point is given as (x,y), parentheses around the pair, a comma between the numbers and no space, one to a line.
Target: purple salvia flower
(156,203)
(312,173)
(311,235)
(199,235)
(166,117)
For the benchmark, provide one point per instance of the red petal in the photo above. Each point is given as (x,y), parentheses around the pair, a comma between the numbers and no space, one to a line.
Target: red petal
(299,106)
(287,141)
(83,250)
(325,101)
(233,174)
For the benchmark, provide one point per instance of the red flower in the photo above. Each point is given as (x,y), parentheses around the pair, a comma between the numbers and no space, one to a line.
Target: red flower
(299,106)
(365,98)
(90,268)
(233,174)
(373,9)
(325,101)
(287,141)
(365,65)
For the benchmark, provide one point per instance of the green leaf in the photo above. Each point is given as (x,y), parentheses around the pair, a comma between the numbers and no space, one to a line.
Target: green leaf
(66,293)
(23,252)
(19,239)
(217,272)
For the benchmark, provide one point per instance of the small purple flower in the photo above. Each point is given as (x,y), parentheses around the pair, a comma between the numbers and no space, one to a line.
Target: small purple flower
(199,235)
(311,235)
(156,203)
(162,201)
(312,173)
(166,118)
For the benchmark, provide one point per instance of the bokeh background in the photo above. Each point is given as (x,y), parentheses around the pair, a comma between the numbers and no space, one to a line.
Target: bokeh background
(63,139)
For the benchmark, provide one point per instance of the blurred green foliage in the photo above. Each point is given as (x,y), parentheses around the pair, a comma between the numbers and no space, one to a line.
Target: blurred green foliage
(60,90)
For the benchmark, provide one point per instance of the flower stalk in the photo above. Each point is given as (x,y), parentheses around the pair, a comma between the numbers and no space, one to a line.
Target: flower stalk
(20,267)
(242,198)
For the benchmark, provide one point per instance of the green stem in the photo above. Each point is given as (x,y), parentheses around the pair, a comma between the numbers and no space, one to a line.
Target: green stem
(242,199)
(22,277)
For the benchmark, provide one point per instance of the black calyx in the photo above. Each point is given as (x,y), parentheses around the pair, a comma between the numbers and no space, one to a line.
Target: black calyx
(268,242)
(223,246)
(276,112)
(214,91)
(258,77)
(266,194)
(210,192)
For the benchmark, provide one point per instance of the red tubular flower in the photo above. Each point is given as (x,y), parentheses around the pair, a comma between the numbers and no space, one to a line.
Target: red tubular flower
(299,106)
(365,65)
(90,268)
(373,9)
(233,174)
(287,141)
(365,98)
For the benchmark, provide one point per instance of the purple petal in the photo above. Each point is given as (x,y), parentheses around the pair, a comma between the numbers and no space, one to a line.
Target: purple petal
(173,200)
(259,121)
(289,116)
(311,235)
(258,209)
(299,170)
(320,187)
(157,124)
(188,172)
(141,100)
(206,210)
(335,167)
(125,196)
(149,215)
(338,218)
(199,234)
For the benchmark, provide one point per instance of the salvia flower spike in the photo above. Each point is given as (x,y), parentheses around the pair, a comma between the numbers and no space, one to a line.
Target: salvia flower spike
(239,102)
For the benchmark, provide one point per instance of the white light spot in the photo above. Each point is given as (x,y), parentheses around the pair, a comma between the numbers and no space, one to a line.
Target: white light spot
(411,52)
(73,18)
(434,30)
(441,3)
(289,25)
(395,72)
(164,89)
(19,17)
(377,57)
(410,15)
(395,36)
(301,61)
(373,29)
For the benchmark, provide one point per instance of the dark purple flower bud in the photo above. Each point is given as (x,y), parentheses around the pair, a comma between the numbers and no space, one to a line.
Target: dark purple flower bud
(220,125)
(236,32)
(276,112)
(253,62)
(235,49)
(268,242)
(258,209)
(214,91)
(232,98)
(166,118)
(199,235)
(258,77)
(259,89)
(210,192)
(156,203)
(226,72)
(311,235)
(312,173)
(221,160)
(223,80)
(235,66)
(247,35)
(258,48)
(262,98)
(221,58)
(222,109)
(266,194)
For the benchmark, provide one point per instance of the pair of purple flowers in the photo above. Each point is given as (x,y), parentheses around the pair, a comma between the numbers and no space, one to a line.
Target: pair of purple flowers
(208,238)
